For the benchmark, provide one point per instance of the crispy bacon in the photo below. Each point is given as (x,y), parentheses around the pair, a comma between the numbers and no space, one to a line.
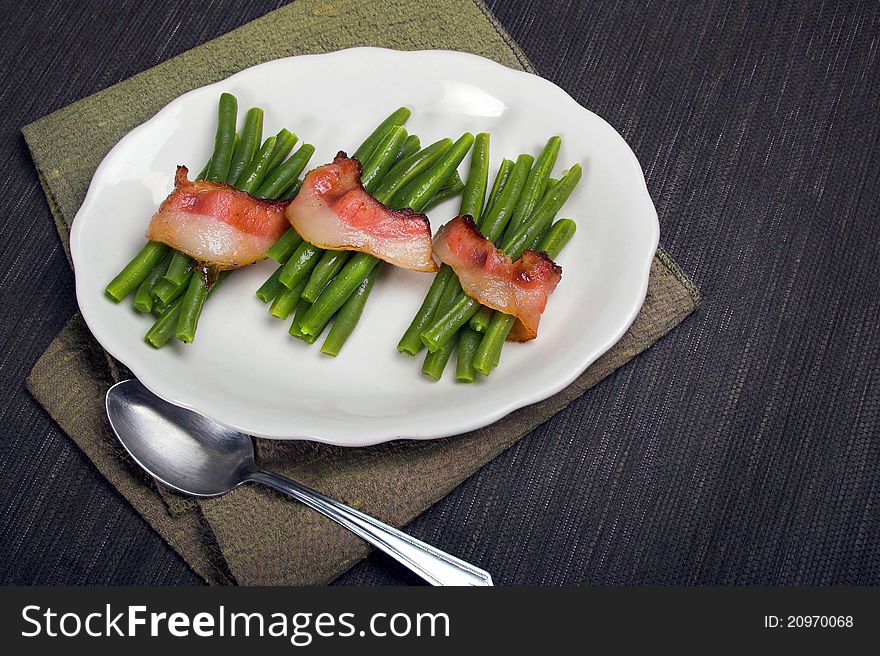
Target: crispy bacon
(488,275)
(332,210)
(216,224)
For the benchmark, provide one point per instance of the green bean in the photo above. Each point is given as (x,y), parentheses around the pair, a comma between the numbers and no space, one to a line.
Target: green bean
(224,140)
(292,190)
(192,304)
(544,213)
(411,146)
(300,264)
(143,298)
(133,274)
(468,341)
(271,288)
(310,339)
(359,266)
(410,343)
(235,142)
(444,327)
(488,353)
(285,140)
(536,184)
(450,190)
(500,180)
(204,171)
(282,177)
(166,291)
(178,267)
(383,158)
(252,175)
(471,203)
(298,313)
(296,325)
(404,192)
(284,303)
(164,328)
(454,181)
(397,117)
(433,179)
(407,169)
(349,315)
(474,195)
(282,249)
(480,321)
(328,266)
(337,292)
(159,308)
(435,361)
(496,218)
(329,263)
(556,238)
(248,143)
(163,289)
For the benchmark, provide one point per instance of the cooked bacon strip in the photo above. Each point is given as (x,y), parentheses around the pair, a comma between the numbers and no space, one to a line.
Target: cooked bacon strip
(488,275)
(332,210)
(216,224)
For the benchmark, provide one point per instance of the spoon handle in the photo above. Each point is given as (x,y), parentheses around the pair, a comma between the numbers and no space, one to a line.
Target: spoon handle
(433,565)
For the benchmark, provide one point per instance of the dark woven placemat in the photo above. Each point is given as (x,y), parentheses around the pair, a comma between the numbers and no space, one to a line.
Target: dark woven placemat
(253,536)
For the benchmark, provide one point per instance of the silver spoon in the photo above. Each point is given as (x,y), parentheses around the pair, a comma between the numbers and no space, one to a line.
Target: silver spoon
(195,455)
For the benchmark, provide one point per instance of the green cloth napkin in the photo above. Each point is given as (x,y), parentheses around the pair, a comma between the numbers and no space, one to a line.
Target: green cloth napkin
(253,536)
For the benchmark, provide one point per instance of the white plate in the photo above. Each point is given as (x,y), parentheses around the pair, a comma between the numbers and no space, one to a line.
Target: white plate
(245,371)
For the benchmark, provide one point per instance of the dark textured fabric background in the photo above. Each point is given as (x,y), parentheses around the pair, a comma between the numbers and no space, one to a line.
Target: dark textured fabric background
(742,448)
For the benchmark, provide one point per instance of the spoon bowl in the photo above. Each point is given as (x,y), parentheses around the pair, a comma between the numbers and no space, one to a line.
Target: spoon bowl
(195,455)
(179,447)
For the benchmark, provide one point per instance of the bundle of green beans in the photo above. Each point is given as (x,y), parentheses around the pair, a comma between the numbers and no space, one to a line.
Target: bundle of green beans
(431,177)
(169,283)
(518,215)
(445,284)
(487,353)
(318,285)
(309,268)
(356,271)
